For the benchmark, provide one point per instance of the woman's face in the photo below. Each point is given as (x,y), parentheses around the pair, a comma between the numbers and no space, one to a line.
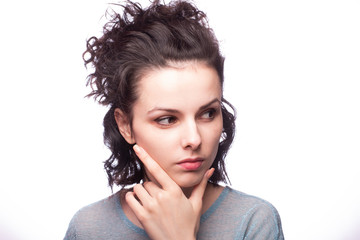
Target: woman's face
(177,119)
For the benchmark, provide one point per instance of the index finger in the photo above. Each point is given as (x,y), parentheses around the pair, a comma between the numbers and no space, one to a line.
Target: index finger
(154,168)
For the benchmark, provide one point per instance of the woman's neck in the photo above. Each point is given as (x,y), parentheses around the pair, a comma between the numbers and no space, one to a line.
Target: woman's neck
(187,191)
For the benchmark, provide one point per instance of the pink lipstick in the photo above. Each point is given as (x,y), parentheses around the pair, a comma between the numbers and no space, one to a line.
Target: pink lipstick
(191,164)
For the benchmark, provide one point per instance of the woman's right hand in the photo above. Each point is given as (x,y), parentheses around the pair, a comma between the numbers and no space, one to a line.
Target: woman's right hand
(164,211)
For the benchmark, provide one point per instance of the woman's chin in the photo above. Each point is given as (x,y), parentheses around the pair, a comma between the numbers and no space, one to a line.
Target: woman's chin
(188,182)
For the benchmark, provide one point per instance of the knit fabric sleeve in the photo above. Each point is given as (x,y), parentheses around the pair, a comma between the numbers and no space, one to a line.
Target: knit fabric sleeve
(262,222)
(236,215)
(71,231)
(103,220)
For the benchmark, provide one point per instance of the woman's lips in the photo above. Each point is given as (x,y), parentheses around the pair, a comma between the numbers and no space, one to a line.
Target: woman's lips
(191,164)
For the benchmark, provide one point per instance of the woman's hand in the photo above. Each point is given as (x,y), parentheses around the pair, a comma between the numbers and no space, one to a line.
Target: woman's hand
(165,212)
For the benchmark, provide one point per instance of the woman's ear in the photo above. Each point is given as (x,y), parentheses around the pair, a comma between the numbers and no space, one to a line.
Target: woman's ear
(123,124)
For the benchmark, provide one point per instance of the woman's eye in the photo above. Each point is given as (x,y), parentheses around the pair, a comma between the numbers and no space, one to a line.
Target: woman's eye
(166,120)
(209,114)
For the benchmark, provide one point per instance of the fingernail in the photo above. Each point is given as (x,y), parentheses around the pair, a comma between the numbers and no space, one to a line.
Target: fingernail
(136,148)
(210,172)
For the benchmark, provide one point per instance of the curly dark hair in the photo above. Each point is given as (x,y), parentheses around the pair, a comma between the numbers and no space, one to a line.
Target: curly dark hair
(132,43)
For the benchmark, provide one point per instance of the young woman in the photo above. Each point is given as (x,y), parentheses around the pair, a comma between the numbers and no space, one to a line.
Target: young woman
(160,72)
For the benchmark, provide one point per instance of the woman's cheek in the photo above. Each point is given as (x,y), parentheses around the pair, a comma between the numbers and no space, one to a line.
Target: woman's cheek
(157,144)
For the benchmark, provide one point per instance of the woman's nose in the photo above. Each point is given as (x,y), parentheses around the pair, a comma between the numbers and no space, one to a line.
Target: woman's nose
(191,137)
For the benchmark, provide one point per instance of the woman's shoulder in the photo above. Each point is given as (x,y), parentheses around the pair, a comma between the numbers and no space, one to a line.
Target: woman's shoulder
(248,205)
(93,216)
(238,198)
(253,211)
(237,215)
(106,205)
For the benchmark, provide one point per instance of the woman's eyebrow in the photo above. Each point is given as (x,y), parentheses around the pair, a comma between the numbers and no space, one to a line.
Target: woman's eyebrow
(163,109)
(176,111)
(209,104)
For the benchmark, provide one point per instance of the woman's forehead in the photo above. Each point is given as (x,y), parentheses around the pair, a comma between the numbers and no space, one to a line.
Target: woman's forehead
(191,84)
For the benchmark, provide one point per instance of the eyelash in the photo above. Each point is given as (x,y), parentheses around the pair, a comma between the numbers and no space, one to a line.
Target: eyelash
(172,120)
(212,111)
(160,119)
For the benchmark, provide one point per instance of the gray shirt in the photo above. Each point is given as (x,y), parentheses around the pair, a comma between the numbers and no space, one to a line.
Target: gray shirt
(234,215)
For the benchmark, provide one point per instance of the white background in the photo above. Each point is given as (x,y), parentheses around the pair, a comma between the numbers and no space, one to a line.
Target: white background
(292,71)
